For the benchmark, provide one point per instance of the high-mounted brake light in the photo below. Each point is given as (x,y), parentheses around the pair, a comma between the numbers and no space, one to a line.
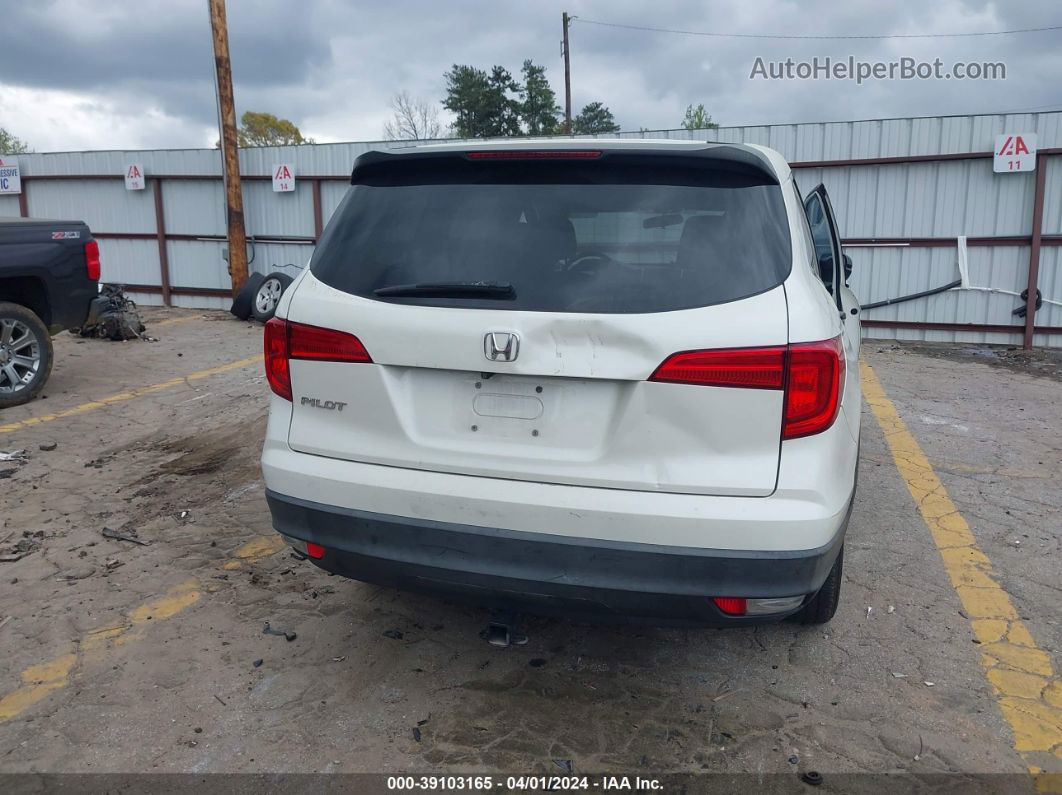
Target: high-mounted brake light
(92,260)
(538,154)
(285,341)
(811,373)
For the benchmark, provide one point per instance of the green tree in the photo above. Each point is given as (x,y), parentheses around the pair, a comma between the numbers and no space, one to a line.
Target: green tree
(594,118)
(484,103)
(697,118)
(11,144)
(538,108)
(265,129)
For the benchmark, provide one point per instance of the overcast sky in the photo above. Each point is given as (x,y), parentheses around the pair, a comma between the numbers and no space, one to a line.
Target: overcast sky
(115,74)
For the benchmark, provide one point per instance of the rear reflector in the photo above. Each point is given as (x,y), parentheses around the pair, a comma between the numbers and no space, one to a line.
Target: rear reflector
(811,373)
(813,388)
(739,606)
(285,341)
(315,551)
(545,154)
(731,605)
(752,368)
(92,260)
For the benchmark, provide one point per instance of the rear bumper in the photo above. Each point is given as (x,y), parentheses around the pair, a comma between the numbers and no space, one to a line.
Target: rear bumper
(547,573)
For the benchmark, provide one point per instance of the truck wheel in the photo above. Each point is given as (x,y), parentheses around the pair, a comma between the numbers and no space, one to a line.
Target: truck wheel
(243,303)
(824,604)
(268,296)
(25,355)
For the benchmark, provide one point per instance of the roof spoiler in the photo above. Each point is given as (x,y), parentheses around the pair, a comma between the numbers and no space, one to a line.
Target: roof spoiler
(729,158)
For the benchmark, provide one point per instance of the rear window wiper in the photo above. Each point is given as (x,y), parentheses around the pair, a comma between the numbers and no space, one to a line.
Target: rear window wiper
(490,290)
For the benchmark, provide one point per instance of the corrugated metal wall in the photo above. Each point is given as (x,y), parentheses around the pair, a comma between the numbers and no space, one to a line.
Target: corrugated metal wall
(935,199)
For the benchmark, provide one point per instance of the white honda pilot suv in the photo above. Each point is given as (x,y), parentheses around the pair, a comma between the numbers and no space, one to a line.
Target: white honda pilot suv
(594,377)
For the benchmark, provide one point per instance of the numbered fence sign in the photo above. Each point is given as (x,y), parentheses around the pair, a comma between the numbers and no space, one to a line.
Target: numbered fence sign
(10,181)
(283,177)
(134,176)
(1014,152)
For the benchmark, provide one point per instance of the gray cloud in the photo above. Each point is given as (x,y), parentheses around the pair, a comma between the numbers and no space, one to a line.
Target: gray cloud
(332,66)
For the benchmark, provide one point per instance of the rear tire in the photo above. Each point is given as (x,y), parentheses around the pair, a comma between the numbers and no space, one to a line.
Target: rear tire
(25,355)
(243,303)
(824,603)
(267,296)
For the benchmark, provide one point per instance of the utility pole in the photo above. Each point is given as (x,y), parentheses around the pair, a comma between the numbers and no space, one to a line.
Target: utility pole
(230,158)
(566,21)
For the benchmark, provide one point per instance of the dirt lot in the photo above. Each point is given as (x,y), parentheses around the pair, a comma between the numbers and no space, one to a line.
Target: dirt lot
(118,656)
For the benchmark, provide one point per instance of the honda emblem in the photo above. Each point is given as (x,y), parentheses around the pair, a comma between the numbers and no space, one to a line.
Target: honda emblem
(501,346)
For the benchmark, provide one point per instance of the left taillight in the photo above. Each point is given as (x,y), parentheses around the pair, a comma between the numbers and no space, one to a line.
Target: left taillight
(810,373)
(285,341)
(814,384)
(92,260)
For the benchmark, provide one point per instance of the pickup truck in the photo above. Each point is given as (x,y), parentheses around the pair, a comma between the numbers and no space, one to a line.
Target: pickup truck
(49,274)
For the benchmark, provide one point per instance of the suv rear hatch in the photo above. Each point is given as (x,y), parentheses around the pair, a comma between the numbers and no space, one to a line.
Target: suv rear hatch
(586,270)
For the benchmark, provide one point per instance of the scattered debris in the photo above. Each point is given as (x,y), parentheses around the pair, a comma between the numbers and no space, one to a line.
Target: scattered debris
(929,684)
(28,544)
(416,734)
(727,694)
(891,610)
(899,676)
(258,663)
(565,765)
(419,722)
(812,777)
(869,611)
(394,634)
(921,747)
(113,563)
(288,636)
(15,455)
(130,536)
(112,316)
(794,759)
(5,620)
(219,700)
(339,659)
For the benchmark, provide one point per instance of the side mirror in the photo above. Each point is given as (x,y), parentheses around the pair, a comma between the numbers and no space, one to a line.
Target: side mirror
(826,270)
(847,267)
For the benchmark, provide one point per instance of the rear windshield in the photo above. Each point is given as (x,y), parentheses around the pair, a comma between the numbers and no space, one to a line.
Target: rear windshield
(563,236)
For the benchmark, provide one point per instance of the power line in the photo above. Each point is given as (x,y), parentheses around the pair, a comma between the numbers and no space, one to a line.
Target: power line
(787,36)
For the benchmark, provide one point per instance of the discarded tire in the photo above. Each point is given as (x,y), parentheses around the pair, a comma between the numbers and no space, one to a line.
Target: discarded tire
(244,300)
(267,296)
(25,354)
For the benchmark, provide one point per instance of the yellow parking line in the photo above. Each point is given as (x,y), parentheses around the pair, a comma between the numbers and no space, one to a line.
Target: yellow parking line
(1027,688)
(171,320)
(84,408)
(40,680)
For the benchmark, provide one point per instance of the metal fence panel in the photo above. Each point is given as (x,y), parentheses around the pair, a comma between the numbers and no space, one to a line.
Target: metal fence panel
(938,199)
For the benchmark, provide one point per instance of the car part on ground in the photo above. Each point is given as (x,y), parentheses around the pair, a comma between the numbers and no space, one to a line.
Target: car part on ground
(267,296)
(25,354)
(112,316)
(243,303)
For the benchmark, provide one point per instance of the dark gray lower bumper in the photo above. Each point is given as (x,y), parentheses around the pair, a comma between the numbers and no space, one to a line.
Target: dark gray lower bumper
(548,573)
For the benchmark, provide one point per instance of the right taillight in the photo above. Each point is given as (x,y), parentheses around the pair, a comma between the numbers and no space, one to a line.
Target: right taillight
(814,383)
(811,373)
(285,341)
